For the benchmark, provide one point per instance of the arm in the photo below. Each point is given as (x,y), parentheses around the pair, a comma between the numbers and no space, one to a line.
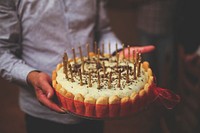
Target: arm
(12,66)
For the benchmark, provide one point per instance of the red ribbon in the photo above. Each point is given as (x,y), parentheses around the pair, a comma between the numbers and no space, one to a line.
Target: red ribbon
(167,97)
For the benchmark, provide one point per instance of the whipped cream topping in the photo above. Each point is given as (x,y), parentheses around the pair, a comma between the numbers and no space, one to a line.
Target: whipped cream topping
(102,87)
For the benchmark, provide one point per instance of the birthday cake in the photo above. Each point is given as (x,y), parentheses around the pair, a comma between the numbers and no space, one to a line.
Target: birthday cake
(103,86)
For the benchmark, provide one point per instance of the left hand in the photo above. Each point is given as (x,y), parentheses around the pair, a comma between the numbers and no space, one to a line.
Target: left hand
(142,49)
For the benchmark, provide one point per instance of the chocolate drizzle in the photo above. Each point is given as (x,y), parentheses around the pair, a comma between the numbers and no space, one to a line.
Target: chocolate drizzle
(103,71)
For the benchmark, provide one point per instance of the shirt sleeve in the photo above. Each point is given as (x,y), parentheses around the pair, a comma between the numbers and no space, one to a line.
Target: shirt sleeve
(104,32)
(12,67)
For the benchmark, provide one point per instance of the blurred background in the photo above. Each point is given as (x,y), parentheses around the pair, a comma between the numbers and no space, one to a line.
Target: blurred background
(173,27)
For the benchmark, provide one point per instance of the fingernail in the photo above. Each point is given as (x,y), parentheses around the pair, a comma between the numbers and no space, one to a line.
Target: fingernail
(62,110)
(48,95)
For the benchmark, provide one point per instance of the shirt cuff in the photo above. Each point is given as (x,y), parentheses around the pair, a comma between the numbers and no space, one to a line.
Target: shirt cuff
(20,73)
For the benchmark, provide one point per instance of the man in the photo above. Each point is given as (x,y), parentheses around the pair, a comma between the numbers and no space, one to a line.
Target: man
(33,37)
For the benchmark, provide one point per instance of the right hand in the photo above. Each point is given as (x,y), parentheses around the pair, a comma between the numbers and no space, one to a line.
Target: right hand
(41,82)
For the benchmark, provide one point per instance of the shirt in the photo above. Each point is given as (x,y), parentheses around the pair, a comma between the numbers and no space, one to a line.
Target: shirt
(34,34)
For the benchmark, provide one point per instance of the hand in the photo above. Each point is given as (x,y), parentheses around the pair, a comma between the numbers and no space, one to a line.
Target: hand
(44,92)
(142,49)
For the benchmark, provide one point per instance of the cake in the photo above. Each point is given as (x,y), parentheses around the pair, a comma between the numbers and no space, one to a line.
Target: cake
(103,86)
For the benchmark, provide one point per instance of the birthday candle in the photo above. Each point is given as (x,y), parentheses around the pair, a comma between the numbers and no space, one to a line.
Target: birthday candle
(80,74)
(116,45)
(74,55)
(103,49)
(133,56)
(104,70)
(70,69)
(139,64)
(127,74)
(88,51)
(90,82)
(83,70)
(95,47)
(137,57)
(98,56)
(80,50)
(109,49)
(119,79)
(117,60)
(65,64)
(123,51)
(110,80)
(134,70)
(98,76)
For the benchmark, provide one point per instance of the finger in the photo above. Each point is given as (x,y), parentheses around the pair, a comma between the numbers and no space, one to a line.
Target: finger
(129,53)
(44,100)
(143,49)
(45,85)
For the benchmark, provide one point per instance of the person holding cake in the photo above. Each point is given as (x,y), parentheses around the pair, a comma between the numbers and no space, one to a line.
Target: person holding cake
(33,37)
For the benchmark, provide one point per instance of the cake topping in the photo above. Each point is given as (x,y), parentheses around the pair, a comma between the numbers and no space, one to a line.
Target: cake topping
(106,74)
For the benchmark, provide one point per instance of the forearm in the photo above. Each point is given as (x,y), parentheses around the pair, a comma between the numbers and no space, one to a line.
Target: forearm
(12,67)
